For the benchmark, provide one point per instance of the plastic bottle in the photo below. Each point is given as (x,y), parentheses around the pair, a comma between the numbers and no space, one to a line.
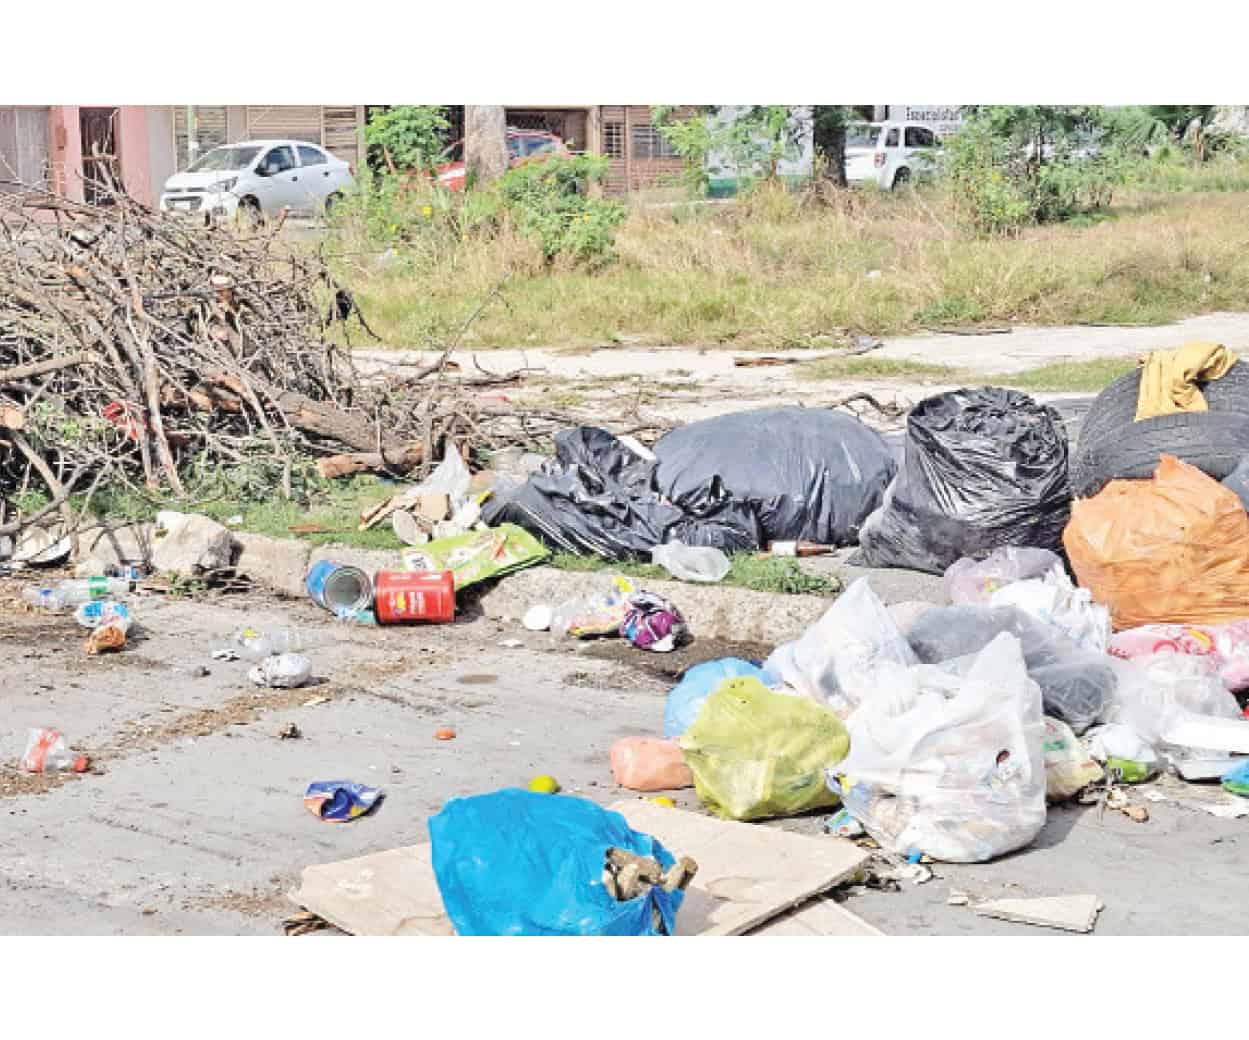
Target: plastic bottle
(254,644)
(75,591)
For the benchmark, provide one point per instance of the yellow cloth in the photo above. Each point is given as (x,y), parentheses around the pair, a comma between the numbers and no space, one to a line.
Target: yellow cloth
(1169,379)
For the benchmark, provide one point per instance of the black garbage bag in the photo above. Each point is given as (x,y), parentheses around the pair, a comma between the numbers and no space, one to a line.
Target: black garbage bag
(597,498)
(807,473)
(983,468)
(1075,683)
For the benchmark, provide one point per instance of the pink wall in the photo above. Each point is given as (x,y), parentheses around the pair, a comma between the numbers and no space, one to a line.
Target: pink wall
(65,151)
(132,150)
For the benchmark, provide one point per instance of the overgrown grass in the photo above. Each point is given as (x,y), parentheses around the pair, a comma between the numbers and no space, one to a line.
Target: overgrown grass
(1076,376)
(748,571)
(778,269)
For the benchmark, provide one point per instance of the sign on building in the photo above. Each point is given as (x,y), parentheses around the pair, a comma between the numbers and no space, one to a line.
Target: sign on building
(944,119)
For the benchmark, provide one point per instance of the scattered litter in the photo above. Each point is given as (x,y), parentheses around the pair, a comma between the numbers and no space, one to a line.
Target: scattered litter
(686,698)
(235,521)
(843,825)
(256,644)
(109,636)
(408,596)
(303,922)
(957,898)
(512,644)
(757,754)
(538,618)
(649,764)
(478,555)
(663,802)
(692,562)
(338,801)
(282,671)
(47,752)
(1068,766)
(1068,913)
(1236,780)
(225,654)
(312,702)
(446,733)
(495,857)
(101,612)
(544,785)
(653,623)
(339,588)
(290,732)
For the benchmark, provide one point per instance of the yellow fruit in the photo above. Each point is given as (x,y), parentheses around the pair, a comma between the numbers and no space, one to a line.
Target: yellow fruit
(544,785)
(667,803)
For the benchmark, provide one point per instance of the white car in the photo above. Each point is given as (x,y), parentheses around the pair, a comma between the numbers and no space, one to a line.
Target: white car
(257,179)
(888,154)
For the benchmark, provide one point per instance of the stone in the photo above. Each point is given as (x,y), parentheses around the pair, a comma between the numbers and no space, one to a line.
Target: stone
(280,563)
(111,545)
(188,544)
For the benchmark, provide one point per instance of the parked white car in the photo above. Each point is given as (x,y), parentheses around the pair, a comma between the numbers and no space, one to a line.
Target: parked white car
(257,179)
(888,154)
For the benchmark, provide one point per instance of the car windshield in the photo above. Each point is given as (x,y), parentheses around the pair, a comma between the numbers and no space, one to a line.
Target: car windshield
(228,158)
(862,135)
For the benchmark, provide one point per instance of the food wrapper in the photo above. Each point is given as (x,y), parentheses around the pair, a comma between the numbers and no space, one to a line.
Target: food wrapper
(338,801)
(653,623)
(603,613)
(478,555)
(111,636)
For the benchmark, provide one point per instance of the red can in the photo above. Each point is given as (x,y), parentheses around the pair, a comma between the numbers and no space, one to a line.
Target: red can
(406,596)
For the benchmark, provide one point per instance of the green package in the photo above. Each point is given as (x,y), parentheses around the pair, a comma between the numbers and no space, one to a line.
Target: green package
(477,555)
(755,753)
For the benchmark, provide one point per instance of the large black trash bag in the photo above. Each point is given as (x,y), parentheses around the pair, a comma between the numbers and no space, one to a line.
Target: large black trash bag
(806,472)
(1076,684)
(983,468)
(596,498)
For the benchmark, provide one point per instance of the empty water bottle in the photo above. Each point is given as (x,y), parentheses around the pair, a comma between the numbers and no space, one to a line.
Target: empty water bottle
(255,644)
(73,592)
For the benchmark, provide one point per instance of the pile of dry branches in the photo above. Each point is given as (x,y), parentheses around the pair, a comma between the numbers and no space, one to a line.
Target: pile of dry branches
(135,348)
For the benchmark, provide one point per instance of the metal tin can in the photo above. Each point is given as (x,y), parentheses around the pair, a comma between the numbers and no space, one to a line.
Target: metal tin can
(404,596)
(339,588)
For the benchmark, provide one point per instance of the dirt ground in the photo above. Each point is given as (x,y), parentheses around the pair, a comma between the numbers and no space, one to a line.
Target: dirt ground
(191,820)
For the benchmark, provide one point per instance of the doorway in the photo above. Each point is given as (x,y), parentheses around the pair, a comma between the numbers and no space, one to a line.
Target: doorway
(101,173)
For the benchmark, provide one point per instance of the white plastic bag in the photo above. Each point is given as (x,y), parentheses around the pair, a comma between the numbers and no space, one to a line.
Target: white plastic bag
(1056,601)
(952,768)
(282,671)
(691,562)
(450,477)
(831,660)
(970,582)
(1175,699)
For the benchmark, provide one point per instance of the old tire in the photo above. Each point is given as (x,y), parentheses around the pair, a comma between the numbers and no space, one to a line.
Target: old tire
(1112,446)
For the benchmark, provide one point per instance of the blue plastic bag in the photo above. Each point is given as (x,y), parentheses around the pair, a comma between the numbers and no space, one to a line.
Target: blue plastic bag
(519,863)
(685,699)
(1236,779)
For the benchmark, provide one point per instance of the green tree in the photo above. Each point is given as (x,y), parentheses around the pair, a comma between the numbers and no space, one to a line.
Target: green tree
(1148,126)
(749,140)
(829,124)
(407,137)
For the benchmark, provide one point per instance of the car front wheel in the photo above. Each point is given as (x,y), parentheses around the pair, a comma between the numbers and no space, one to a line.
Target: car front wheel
(250,214)
(900,178)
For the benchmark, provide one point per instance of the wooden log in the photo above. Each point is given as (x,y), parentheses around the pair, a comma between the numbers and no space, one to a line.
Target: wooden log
(40,368)
(334,466)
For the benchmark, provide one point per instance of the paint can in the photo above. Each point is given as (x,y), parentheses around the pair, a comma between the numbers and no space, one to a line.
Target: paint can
(404,596)
(339,588)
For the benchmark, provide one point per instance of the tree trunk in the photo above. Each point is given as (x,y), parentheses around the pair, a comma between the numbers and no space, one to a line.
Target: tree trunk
(829,140)
(485,142)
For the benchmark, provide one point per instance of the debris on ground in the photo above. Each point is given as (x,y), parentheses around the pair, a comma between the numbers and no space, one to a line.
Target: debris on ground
(282,671)
(290,732)
(1067,913)
(339,801)
(47,752)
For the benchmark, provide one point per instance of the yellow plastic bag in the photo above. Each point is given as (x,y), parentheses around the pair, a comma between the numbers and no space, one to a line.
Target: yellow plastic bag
(1173,549)
(755,753)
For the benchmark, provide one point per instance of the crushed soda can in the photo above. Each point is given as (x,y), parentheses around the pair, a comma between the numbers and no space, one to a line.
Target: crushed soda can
(338,801)
(282,671)
(843,825)
(652,623)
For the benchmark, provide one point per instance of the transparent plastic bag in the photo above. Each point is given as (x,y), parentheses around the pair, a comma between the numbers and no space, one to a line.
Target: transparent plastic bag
(830,661)
(1068,767)
(973,582)
(951,770)
(1056,601)
(692,562)
(1171,699)
(1225,646)
(1076,684)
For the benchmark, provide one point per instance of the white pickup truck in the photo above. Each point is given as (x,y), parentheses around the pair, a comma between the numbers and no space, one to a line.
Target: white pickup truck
(889,154)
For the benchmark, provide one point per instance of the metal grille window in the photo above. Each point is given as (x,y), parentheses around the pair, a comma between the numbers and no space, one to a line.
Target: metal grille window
(649,143)
(613,140)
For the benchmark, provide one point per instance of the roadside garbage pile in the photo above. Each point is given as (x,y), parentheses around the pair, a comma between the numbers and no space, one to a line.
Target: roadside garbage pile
(733,483)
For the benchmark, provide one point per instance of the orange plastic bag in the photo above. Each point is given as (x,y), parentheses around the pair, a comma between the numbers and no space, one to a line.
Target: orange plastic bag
(1171,549)
(649,764)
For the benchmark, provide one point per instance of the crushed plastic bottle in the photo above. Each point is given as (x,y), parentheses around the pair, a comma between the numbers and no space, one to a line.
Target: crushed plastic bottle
(254,644)
(101,612)
(75,591)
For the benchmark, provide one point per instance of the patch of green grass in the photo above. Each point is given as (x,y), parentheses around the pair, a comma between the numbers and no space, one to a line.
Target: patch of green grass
(748,571)
(872,368)
(1075,376)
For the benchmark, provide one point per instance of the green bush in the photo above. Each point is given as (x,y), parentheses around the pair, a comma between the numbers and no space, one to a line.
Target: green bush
(550,202)
(407,137)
